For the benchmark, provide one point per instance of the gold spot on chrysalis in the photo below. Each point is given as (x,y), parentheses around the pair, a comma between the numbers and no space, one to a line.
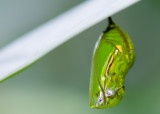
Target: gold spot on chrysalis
(119,48)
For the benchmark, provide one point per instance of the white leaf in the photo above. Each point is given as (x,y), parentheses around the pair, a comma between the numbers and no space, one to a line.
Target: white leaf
(32,46)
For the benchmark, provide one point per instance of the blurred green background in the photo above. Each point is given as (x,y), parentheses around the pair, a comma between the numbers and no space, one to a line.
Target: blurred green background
(58,83)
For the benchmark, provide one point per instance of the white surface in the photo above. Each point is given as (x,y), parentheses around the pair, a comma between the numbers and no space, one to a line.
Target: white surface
(42,40)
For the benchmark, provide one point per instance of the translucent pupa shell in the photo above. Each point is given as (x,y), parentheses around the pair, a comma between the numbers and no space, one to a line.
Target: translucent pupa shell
(113,56)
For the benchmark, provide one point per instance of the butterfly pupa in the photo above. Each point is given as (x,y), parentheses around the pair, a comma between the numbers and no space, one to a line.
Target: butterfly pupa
(113,56)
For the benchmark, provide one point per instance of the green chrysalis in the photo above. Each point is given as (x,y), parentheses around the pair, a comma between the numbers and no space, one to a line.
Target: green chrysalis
(113,56)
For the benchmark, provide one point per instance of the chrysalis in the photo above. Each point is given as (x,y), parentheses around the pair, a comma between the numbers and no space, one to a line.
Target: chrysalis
(113,56)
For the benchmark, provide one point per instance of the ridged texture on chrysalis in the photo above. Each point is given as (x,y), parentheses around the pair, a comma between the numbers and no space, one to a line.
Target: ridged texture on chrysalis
(113,56)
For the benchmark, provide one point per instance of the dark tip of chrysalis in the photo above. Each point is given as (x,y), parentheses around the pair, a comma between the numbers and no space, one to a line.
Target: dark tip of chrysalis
(110,25)
(110,21)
